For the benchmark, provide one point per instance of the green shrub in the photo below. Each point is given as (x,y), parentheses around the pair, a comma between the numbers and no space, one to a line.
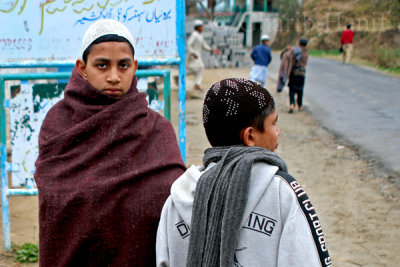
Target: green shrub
(388,58)
(318,53)
(27,253)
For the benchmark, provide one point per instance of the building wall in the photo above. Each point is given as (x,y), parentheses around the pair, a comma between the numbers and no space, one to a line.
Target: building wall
(254,5)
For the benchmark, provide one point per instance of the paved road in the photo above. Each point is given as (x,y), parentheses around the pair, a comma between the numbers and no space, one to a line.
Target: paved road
(356,103)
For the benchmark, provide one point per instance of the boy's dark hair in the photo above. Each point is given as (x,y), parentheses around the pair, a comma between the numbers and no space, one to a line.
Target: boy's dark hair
(303,41)
(231,105)
(106,38)
(348,26)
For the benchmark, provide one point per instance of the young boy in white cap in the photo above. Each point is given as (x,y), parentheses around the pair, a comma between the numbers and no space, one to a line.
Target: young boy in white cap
(195,45)
(106,161)
(241,208)
(261,55)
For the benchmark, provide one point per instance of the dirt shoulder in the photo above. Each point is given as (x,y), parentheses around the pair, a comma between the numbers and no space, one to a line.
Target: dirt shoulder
(359,210)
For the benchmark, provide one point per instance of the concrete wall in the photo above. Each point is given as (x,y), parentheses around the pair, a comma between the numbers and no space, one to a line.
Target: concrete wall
(235,42)
(269,25)
(228,40)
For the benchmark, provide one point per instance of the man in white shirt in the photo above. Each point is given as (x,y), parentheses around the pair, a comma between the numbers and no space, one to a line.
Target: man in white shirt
(195,45)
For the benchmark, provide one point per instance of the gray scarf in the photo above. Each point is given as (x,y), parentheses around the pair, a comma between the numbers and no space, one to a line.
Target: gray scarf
(219,203)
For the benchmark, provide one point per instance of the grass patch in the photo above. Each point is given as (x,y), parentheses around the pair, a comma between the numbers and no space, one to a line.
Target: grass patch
(387,57)
(335,55)
(27,253)
(391,70)
(320,53)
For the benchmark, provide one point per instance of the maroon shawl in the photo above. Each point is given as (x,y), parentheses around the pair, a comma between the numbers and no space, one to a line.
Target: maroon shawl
(104,170)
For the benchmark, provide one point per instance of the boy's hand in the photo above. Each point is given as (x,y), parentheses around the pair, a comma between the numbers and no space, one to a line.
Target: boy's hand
(217,51)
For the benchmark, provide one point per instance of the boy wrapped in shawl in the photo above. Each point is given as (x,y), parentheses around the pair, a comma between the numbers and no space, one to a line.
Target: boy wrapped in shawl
(104,170)
(297,55)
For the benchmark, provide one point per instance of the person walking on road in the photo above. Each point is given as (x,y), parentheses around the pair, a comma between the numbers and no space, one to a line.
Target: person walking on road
(293,68)
(106,161)
(261,56)
(346,41)
(195,45)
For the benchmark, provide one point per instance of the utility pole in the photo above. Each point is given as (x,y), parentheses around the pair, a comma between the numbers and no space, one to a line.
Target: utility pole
(211,5)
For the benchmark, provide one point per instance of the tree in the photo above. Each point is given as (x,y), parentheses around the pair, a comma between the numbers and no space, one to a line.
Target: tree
(394,13)
(289,13)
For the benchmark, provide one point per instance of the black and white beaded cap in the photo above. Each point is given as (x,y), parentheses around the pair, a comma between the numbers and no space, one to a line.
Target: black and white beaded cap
(234,100)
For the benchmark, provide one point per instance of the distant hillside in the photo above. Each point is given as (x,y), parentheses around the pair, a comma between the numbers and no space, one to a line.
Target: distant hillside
(376,25)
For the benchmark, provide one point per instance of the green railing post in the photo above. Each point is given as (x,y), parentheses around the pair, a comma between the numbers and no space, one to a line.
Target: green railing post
(167,95)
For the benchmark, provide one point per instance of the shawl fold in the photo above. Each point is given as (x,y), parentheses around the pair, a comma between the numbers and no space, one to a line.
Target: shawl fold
(219,203)
(104,171)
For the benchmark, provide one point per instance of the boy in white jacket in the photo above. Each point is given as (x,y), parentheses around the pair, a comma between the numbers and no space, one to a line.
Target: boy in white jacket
(242,208)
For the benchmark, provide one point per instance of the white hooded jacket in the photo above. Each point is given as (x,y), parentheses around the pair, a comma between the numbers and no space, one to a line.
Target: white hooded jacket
(279,225)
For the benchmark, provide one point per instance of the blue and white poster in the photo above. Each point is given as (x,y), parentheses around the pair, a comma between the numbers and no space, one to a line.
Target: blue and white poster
(53,29)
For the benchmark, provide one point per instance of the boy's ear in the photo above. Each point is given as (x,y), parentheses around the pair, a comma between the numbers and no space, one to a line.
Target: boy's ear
(81,68)
(135,63)
(248,136)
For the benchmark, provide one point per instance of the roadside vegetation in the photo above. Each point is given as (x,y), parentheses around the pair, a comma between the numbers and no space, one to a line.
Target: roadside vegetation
(376,26)
(27,253)
(388,54)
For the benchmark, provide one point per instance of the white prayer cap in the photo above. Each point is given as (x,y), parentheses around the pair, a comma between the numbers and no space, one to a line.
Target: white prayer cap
(198,23)
(264,37)
(104,27)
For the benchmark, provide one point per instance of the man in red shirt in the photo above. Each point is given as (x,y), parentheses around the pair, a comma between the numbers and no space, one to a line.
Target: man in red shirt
(346,42)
